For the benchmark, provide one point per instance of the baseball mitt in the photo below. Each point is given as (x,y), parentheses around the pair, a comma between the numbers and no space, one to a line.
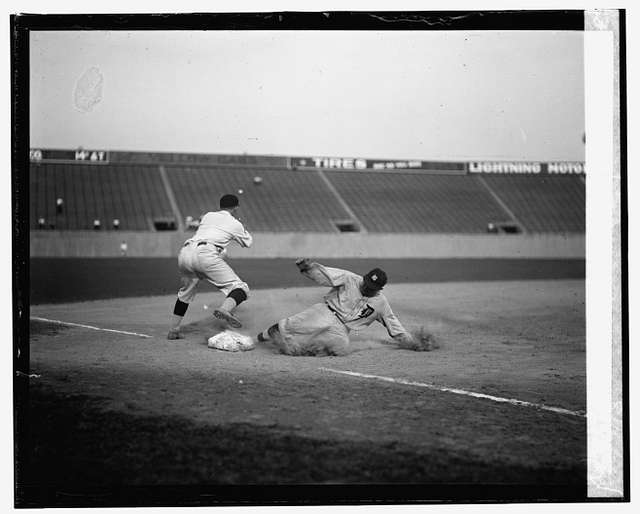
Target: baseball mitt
(420,341)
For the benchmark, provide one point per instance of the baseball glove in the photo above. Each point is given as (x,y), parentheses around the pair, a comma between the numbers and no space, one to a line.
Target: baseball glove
(419,340)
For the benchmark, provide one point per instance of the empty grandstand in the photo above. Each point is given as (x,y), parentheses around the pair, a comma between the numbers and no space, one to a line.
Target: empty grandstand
(398,202)
(284,201)
(147,192)
(543,203)
(132,195)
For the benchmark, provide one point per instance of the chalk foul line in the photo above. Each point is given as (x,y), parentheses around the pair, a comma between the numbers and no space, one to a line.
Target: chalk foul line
(434,387)
(27,375)
(69,324)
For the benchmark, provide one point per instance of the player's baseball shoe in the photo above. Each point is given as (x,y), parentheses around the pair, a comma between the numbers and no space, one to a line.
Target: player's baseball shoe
(228,317)
(174,334)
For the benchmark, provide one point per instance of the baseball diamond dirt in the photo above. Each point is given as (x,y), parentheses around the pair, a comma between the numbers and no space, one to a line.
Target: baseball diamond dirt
(116,414)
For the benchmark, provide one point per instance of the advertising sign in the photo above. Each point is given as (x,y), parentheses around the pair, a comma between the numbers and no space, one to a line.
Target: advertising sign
(85,156)
(361,164)
(527,167)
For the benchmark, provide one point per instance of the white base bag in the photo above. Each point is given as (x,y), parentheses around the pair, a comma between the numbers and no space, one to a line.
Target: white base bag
(230,341)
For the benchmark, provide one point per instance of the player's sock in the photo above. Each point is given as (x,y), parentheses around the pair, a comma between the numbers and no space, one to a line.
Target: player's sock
(273,331)
(228,305)
(179,310)
(233,299)
(175,321)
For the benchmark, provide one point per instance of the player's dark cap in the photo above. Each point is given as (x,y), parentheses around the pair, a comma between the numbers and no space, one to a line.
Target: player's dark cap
(375,279)
(229,201)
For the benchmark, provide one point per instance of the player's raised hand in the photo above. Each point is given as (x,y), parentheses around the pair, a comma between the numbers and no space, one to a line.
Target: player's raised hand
(303,264)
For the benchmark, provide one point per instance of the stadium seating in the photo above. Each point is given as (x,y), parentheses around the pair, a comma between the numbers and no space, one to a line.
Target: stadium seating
(397,202)
(132,195)
(284,201)
(543,203)
(73,196)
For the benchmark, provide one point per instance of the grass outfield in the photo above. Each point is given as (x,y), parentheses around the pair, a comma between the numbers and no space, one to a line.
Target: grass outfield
(117,419)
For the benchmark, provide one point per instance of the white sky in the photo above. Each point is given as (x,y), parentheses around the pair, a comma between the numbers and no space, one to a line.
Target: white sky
(409,94)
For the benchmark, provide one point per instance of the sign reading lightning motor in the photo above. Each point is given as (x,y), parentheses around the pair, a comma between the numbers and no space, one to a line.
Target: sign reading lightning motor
(527,168)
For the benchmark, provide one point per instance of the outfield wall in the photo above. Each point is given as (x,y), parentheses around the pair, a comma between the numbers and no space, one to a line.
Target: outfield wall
(352,245)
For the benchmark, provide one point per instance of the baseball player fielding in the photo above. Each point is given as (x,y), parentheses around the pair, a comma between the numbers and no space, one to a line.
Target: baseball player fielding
(202,258)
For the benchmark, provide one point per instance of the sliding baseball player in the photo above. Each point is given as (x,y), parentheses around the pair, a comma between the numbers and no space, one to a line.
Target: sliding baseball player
(353,302)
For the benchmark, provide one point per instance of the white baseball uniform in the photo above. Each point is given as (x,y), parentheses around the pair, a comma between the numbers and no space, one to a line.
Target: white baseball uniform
(344,308)
(202,256)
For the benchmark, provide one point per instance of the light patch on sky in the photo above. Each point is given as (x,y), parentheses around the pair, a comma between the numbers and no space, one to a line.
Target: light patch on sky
(401,94)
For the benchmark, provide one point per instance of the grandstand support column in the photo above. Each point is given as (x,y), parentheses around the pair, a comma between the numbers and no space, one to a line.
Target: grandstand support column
(172,198)
(502,205)
(341,201)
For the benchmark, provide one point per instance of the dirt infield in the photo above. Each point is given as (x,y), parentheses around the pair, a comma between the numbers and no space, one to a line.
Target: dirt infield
(111,412)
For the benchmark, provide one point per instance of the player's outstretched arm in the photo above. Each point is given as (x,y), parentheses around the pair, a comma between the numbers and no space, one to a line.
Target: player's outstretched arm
(320,274)
(418,339)
(303,264)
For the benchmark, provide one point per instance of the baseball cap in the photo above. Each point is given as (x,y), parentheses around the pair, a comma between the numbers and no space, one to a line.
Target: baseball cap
(229,201)
(375,279)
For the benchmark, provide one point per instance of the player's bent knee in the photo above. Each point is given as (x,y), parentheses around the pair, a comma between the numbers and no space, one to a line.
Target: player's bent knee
(239,295)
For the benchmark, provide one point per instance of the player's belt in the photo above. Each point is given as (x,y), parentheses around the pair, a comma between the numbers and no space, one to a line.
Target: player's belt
(334,312)
(202,243)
